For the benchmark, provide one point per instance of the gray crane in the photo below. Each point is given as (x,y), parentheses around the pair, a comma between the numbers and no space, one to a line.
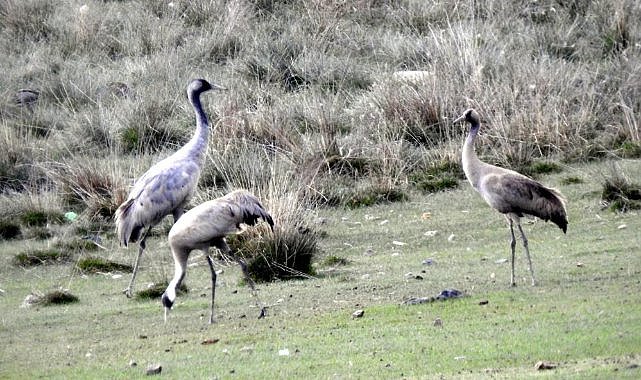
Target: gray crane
(206,225)
(167,186)
(510,193)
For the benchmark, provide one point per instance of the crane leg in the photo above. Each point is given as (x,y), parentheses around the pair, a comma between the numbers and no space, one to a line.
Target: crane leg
(513,248)
(210,261)
(141,247)
(527,254)
(250,282)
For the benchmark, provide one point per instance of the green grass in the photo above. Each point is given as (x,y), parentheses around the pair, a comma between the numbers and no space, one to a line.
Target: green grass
(583,316)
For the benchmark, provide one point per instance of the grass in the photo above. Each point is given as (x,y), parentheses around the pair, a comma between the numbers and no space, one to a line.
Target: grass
(318,124)
(582,317)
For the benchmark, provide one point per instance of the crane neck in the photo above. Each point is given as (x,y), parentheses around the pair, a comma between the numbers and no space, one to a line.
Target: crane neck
(471,163)
(197,145)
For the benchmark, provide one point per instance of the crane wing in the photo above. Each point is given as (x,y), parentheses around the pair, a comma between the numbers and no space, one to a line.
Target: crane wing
(160,191)
(217,218)
(515,193)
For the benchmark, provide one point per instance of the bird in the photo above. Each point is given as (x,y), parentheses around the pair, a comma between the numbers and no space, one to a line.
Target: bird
(207,225)
(167,186)
(510,193)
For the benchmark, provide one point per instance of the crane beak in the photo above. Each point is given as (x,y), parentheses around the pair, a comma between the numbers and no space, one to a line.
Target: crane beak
(460,118)
(215,86)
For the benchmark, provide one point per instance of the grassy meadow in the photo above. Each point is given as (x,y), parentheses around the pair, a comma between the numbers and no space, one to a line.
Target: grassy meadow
(338,115)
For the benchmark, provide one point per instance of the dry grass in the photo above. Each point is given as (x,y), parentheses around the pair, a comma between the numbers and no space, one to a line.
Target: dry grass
(314,115)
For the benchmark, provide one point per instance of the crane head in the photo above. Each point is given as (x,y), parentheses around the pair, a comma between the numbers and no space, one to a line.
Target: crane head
(470,115)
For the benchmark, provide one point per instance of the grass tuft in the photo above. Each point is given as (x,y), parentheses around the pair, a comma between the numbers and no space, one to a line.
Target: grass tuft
(58,297)
(95,264)
(40,257)
(284,254)
(156,290)
(620,194)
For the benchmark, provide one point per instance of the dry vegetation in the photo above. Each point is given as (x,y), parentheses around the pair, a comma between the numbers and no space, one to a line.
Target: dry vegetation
(315,115)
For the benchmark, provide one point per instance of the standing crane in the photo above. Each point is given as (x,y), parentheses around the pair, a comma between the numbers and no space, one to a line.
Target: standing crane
(167,186)
(206,225)
(510,193)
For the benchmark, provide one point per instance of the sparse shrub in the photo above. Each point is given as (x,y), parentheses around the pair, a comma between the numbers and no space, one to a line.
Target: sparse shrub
(39,257)
(94,264)
(9,230)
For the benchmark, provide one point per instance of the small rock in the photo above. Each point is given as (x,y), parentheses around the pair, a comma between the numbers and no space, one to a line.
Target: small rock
(283,352)
(451,238)
(430,233)
(438,322)
(154,369)
(132,363)
(542,365)
(428,262)
(500,261)
(209,341)
(622,226)
(579,264)
(483,302)
(399,243)
(358,313)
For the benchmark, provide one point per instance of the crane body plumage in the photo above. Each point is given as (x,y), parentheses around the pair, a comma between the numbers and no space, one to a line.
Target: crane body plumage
(510,192)
(167,186)
(207,225)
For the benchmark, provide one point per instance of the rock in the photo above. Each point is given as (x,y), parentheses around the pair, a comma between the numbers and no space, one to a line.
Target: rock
(358,313)
(154,369)
(483,302)
(543,365)
(438,322)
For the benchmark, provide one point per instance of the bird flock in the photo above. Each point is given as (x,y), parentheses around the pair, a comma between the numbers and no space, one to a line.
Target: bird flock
(168,186)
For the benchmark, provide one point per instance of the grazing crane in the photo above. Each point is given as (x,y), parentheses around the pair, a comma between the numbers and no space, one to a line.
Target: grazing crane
(509,192)
(206,225)
(167,186)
